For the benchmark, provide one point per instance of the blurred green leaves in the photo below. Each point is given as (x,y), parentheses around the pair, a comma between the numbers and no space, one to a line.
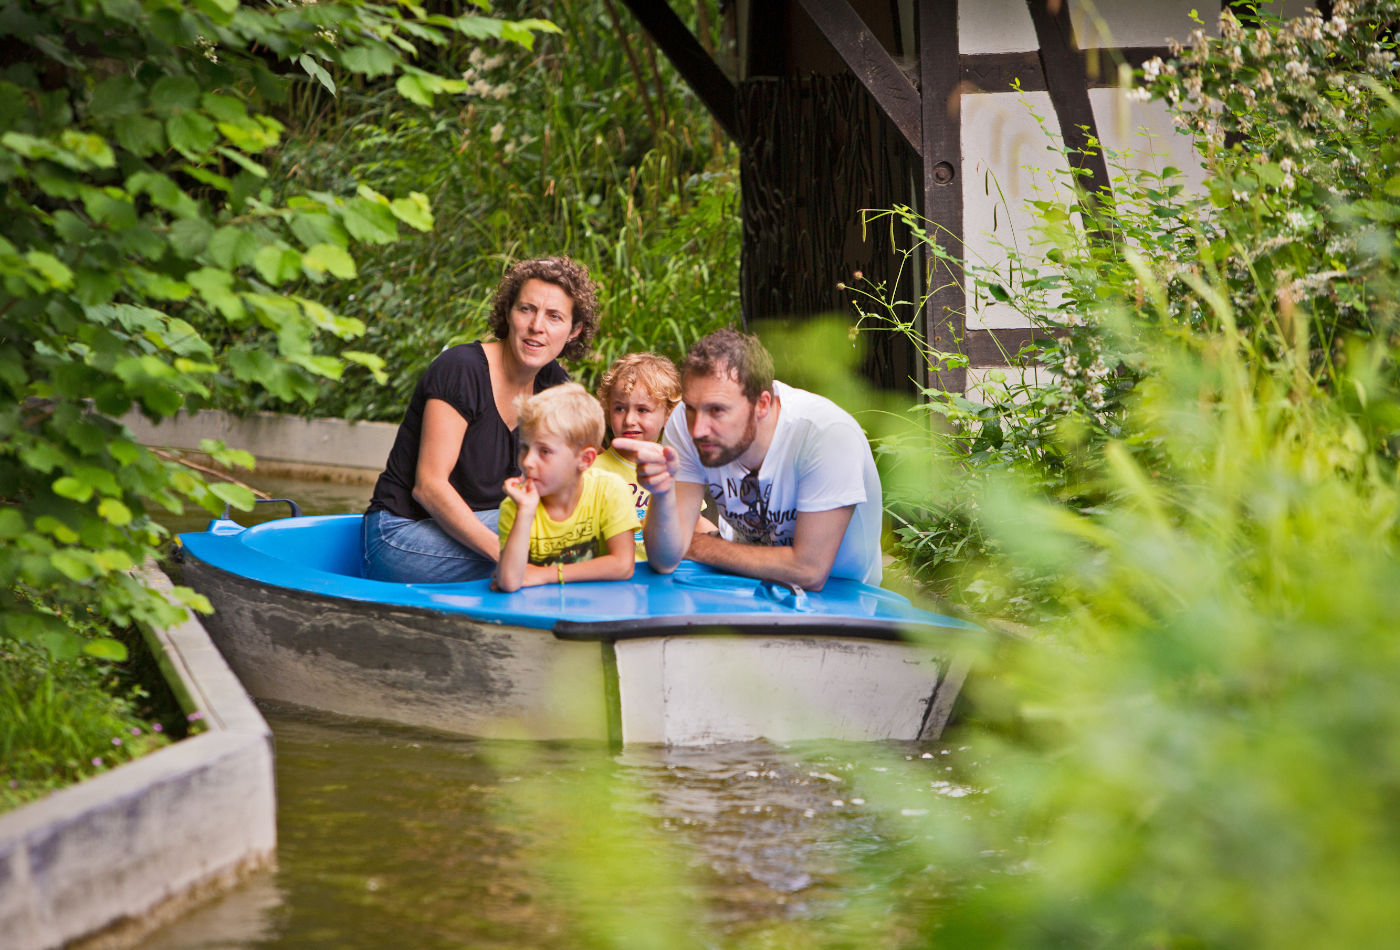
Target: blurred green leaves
(1190,495)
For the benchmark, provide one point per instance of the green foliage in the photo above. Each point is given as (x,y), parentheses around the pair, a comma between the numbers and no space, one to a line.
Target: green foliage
(1192,491)
(135,142)
(559,148)
(1191,750)
(1286,244)
(64,720)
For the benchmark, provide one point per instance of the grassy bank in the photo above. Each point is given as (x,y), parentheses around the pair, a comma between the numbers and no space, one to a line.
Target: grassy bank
(64,719)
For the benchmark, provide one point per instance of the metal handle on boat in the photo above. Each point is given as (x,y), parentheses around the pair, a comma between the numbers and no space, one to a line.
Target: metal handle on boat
(296,509)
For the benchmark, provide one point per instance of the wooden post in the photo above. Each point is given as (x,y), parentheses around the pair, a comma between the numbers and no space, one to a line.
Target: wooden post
(945,315)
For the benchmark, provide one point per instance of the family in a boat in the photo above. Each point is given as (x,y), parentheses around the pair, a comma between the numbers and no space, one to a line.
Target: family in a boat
(500,468)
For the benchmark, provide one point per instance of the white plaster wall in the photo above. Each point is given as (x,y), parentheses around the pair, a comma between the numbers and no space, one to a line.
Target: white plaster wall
(995,26)
(1004,26)
(1008,156)
(1122,23)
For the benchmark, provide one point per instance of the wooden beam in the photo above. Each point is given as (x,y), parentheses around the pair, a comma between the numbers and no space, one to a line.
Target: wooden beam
(998,347)
(871,63)
(995,72)
(696,67)
(1067,83)
(940,75)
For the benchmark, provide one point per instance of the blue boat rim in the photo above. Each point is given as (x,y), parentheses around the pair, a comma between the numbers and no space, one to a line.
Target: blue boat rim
(319,555)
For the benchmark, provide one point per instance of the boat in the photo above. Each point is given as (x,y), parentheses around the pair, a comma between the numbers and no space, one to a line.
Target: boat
(696,657)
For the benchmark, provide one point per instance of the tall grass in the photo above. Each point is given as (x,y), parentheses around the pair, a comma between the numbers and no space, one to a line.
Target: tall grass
(587,145)
(64,719)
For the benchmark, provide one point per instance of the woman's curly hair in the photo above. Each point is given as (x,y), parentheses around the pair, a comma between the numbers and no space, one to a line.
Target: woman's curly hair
(566,274)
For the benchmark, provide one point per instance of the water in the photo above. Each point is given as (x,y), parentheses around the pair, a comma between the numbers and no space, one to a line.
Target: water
(394,837)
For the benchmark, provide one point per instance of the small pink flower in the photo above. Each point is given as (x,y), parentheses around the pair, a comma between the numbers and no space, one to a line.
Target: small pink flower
(116,740)
(157,727)
(135,730)
(195,716)
(97,761)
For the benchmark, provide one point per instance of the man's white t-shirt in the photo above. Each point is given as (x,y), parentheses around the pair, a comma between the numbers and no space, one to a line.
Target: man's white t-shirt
(819,459)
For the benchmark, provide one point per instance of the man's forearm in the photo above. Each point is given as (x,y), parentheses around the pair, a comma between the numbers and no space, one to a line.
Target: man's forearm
(769,563)
(662,533)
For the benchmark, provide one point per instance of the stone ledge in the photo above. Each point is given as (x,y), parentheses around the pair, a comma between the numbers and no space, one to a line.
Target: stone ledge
(104,861)
(325,449)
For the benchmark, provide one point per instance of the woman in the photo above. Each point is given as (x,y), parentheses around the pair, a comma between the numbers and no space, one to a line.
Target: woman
(432,518)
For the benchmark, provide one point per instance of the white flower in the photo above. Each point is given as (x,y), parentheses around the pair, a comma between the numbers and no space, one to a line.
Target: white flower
(1296,70)
(1336,26)
(1152,69)
(498,132)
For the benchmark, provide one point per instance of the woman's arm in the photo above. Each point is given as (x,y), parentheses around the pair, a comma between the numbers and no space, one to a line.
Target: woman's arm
(438,449)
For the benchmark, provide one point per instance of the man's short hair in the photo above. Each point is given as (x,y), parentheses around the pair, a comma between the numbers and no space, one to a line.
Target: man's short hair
(654,373)
(566,274)
(566,411)
(739,356)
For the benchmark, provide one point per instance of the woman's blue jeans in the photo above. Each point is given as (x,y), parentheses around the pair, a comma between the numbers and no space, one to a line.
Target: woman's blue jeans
(420,552)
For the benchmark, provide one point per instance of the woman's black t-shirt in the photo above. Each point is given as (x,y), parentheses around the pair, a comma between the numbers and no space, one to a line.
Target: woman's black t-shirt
(459,377)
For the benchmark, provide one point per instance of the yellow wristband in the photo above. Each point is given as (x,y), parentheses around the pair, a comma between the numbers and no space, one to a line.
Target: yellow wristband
(560,565)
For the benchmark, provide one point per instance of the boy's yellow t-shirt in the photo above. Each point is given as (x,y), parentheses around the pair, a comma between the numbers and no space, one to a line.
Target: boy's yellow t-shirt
(604,510)
(610,461)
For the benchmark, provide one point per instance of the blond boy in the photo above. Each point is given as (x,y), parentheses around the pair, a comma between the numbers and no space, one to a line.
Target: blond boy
(561,519)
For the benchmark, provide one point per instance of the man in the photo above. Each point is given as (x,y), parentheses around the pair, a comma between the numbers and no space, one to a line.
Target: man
(790,472)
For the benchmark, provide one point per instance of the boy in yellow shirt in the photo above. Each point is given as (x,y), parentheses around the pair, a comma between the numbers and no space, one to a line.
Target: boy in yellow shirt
(638,393)
(563,520)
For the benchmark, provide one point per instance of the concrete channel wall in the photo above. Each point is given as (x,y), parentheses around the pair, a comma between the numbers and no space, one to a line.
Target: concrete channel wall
(327,449)
(100,864)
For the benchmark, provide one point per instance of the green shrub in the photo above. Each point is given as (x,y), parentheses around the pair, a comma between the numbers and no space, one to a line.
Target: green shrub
(146,266)
(1287,246)
(557,149)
